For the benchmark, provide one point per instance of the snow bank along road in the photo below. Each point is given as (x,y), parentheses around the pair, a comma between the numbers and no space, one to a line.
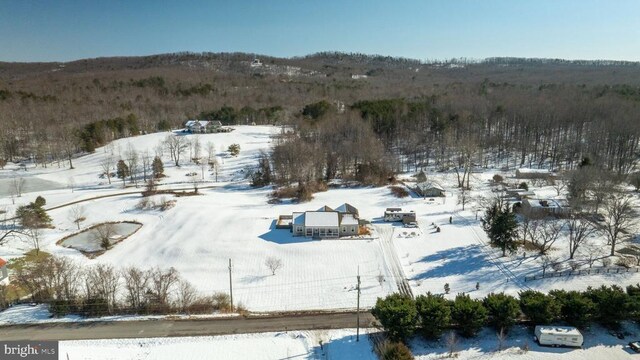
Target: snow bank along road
(191,327)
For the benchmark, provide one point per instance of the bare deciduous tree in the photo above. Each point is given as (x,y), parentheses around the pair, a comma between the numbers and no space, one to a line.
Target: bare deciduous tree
(273,264)
(548,235)
(77,214)
(103,233)
(619,218)
(17,185)
(107,164)
(579,231)
(162,282)
(136,284)
(176,145)
(187,294)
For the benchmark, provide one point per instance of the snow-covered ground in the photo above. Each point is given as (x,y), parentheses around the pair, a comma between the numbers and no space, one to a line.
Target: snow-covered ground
(230,220)
(330,344)
(341,344)
(598,344)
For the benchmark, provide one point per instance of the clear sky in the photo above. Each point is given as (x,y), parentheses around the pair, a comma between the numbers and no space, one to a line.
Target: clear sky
(62,30)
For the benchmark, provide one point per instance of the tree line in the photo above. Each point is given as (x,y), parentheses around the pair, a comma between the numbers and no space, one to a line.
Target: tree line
(431,314)
(101,289)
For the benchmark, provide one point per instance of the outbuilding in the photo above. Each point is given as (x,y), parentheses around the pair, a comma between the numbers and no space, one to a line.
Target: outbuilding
(558,336)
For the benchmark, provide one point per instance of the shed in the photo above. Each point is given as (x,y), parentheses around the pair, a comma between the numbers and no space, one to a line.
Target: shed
(429,189)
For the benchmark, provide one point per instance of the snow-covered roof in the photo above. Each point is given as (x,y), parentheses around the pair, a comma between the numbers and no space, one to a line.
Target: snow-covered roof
(547,203)
(534,171)
(321,219)
(348,219)
(553,330)
(347,208)
(325,208)
(191,123)
(298,218)
(429,185)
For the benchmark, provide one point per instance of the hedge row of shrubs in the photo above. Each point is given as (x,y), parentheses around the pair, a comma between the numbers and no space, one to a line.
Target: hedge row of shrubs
(429,315)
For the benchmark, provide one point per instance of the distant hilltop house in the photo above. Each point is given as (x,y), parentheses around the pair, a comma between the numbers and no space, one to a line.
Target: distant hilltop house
(203,126)
(4,273)
(525,173)
(324,223)
(546,207)
(396,214)
(256,63)
(429,189)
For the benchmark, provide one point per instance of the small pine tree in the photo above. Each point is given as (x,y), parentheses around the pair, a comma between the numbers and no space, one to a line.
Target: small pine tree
(434,312)
(524,186)
(157,167)
(122,170)
(503,310)
(501,226)
(234,149)
(421,177)
(446,288)
(397,314)
(469,314)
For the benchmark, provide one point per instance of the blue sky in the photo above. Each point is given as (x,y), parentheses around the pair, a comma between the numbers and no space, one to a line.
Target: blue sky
(62,30)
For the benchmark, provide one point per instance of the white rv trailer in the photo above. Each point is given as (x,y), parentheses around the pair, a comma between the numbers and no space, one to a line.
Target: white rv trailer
(558,336)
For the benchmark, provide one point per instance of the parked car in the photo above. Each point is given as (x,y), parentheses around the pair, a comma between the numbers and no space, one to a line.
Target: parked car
(411,224)
(635,346)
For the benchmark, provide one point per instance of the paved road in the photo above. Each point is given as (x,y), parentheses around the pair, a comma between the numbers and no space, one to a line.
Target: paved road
(171,328)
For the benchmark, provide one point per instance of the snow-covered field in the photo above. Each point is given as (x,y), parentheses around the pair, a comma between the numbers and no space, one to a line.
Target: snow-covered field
(339,344)
(330,344)
(230,220)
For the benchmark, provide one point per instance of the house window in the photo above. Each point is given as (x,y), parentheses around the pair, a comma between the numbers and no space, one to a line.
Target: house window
(344,229)
(353,229)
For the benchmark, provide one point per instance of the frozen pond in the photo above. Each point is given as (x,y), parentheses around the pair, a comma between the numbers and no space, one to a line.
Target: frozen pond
(89,241)
(31,184)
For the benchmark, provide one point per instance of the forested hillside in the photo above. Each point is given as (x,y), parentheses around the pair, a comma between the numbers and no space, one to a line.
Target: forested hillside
(531,111)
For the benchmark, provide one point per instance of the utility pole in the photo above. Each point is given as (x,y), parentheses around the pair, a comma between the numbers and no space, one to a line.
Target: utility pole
(358,309)
(230,286)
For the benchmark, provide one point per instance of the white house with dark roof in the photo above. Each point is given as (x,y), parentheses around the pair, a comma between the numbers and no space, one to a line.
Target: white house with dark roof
(326,223)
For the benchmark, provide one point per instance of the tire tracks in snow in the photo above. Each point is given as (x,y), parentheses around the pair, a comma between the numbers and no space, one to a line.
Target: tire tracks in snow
(391,259)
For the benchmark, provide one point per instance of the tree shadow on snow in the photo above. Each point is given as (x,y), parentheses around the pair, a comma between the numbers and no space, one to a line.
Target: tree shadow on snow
(458,261)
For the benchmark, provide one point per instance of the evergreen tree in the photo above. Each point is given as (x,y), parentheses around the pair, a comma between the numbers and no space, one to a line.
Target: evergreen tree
(575,308)
(540,308)
(434,312)
(469,314)
(157,167)
(122,170)
(612,305)
(503,310)
(33,215)
(397,314)
(501,226)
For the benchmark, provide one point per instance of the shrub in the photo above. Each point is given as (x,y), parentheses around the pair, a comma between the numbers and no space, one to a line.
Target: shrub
(503,310)
(394,351)
(234,149)
(540,308)
(397,314)
(434,312)
(612,304)
(470,315)
(575,308)
(523,185)
(498,178)
(399,191)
